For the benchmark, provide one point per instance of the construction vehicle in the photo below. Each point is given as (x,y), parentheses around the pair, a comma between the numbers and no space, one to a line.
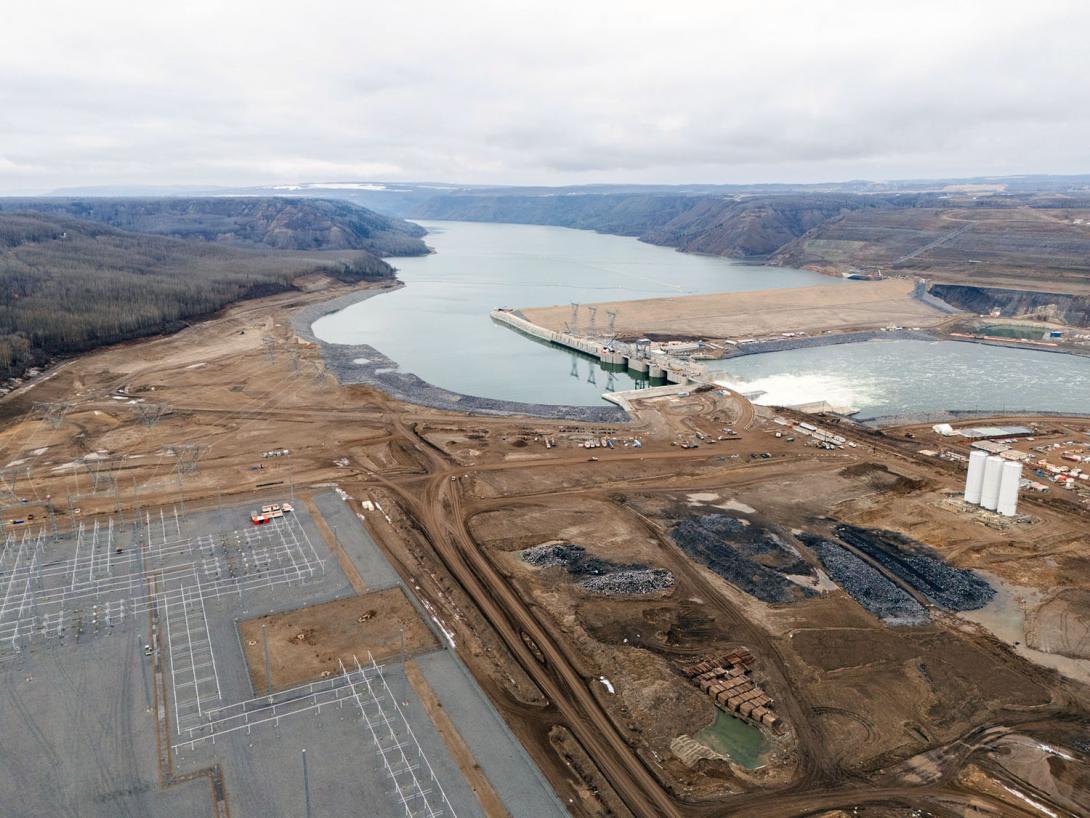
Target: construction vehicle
(270,512)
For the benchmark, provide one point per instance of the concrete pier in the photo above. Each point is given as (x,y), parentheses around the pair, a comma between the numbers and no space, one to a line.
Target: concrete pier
(656,365)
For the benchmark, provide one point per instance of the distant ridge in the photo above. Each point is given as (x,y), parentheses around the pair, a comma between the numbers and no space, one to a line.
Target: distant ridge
(282,223)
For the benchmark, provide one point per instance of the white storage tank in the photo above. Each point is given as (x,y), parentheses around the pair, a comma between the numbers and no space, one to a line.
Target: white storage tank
(974,480)
(989,493)
(1008,488)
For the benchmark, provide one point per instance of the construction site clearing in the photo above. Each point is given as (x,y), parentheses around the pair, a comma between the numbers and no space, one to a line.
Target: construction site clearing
(917,656)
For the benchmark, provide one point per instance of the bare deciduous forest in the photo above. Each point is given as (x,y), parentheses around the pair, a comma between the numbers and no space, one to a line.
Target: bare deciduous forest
(67,286)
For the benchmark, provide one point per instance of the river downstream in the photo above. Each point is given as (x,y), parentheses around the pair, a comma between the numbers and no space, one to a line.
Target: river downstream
(904,377)
(437,328)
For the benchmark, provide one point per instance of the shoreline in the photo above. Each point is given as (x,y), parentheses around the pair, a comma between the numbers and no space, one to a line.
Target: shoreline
(382,372)
(364,364)
(945,416)
(861,336)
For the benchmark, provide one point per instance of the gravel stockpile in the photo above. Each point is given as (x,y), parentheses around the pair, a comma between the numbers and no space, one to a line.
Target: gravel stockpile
(749,557)
(867,586)
(600,576)
(550,554)
(956,589)
(630,582)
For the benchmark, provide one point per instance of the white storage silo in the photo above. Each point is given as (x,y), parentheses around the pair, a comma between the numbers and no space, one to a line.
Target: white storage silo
(1008,488)
(974,480)
(989,493)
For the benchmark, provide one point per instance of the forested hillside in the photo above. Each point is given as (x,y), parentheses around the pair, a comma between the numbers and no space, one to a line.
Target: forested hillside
(282,223)
(67,286)
(1033,240)
(720,225)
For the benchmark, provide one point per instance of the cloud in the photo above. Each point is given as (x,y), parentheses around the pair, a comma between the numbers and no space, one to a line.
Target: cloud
(518,92)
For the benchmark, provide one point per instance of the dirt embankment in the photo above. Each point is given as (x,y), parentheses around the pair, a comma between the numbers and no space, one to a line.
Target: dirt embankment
(1065,308)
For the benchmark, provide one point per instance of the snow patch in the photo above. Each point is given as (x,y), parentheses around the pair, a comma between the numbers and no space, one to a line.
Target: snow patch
(1048,748)
(607,684)
(734,505)
(449,634)
(1035,804)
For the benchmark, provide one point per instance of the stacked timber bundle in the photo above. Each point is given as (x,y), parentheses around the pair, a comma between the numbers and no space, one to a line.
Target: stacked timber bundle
(726,679)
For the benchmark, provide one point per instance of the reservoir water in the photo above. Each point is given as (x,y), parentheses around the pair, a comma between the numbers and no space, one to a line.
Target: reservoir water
(438,328)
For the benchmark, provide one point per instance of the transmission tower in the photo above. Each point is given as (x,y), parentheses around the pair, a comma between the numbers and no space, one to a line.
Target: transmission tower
(574,318)
(612,314)
(187,456)
(593,310)
(574,366)
(103,472)
(611,383)
(269,343)
(151,413)
(7,484)
(52,412)
(294,359)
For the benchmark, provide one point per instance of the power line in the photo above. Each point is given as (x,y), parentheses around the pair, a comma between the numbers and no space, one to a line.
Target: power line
(187,456)
(102,470)
(52,412)
(151,413)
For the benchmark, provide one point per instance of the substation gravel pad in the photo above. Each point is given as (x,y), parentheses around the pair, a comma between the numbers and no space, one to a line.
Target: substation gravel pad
(308,644)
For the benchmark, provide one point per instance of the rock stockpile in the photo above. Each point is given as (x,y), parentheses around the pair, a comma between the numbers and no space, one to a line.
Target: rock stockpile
(599,576)
(867,586)
(749,556)
(629,582)
(956,589)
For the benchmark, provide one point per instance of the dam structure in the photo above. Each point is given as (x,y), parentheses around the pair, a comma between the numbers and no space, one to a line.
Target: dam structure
(639,357)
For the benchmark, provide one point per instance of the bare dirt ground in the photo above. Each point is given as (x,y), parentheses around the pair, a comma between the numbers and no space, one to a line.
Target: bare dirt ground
(854,306)
(888,719)
(310,643)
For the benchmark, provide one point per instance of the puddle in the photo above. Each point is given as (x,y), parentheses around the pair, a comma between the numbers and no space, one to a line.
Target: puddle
(741,742)
(1005,616)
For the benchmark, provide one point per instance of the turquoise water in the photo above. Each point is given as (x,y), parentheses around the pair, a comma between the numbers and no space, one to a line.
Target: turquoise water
(736,739)
(438,327)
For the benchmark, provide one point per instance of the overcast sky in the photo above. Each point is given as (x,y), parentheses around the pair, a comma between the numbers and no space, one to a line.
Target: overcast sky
(539,93)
